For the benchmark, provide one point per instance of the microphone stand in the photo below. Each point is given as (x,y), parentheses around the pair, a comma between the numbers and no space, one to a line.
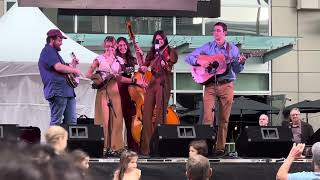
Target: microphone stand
(163,86)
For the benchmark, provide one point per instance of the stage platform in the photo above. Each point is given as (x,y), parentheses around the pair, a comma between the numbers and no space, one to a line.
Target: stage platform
(224,169)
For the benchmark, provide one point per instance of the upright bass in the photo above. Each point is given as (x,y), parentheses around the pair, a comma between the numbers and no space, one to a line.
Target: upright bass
(137,92)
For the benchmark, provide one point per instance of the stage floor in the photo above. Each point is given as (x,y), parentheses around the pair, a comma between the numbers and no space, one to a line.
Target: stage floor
(223,169)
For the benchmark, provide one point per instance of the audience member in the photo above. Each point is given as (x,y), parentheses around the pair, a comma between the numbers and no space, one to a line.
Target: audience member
(198,147)
(263,120)
(301,131)
(198,168)
(81,160)
(296,151)
(19,160)
(128,167)
(57,138)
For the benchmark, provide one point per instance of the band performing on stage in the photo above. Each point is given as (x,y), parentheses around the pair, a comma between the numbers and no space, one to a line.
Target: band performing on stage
(133,89)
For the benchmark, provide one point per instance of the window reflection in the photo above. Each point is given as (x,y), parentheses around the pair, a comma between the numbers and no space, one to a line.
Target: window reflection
(189,26)
(185,82)
(66,23)
(189,107)
(140,25)
(252,21)
(90,24)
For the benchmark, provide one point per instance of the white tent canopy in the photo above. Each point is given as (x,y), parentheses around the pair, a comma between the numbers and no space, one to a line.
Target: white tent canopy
(23,35)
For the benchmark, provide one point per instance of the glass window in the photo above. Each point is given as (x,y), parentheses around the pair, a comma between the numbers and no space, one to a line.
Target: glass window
(252,82)
(140,25)
(185,82)
(189,26)
(253,19)
(66,23)
(90,24)
(189,107)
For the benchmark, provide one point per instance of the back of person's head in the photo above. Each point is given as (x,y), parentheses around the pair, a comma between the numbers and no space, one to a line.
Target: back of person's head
(316,155)
(55,136)
(54,133)
(14,164)
(125,159)
(41,154)
(198,168)
(64,169)
(200,146)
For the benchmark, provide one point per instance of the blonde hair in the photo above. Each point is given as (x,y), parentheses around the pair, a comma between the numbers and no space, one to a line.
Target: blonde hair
(54,133)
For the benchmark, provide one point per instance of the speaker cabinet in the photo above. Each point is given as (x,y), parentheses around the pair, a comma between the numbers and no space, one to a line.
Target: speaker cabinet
(173,140)
(9,132)
(314,138)
(29,134)
(269,141)
(88,138)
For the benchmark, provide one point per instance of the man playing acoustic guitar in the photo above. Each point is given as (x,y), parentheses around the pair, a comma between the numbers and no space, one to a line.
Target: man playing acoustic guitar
(53,71)
(219,82)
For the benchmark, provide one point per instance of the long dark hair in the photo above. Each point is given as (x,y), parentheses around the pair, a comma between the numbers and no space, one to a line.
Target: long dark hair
(128,56)
(164,37)
(125,158)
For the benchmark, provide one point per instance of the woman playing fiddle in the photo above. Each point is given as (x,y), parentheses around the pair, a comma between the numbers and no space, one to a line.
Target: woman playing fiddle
(161,58)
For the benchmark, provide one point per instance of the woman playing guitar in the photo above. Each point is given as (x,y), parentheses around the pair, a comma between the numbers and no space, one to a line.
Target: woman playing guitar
(161,58)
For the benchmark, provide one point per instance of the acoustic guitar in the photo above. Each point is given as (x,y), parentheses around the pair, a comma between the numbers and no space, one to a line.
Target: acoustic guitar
(217,66)
(72,79)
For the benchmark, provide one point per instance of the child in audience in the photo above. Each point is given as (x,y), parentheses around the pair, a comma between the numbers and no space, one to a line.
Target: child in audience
(198,147)
(57,138)
(80,160)
(128,167)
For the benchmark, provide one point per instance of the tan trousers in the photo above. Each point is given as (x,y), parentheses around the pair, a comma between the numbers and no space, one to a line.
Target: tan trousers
(153,101)
(225,94)
(116,118)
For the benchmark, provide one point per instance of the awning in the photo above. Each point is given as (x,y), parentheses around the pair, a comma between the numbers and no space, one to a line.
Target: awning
(179,8)
(268,47)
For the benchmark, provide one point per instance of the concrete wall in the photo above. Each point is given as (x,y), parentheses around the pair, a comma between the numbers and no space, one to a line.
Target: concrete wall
(297,73)
(1,7)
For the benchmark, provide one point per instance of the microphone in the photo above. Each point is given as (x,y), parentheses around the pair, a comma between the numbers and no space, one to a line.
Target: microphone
(157,46)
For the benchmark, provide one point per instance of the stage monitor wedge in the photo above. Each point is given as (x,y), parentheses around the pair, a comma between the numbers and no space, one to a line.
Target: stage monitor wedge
(88,138)
(268,141)
(173,140)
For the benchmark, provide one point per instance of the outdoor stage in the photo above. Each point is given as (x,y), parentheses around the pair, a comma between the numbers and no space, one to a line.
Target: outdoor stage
(224,169)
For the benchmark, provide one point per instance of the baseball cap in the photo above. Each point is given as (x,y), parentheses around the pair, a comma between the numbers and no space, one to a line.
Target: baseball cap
(55,32)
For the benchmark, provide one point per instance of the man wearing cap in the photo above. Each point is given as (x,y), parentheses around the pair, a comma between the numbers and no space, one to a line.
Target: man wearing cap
(296,151)
(53,72)
(220,87)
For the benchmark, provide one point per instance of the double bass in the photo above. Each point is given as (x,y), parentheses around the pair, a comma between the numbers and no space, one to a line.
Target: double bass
(137,92)
(137,95)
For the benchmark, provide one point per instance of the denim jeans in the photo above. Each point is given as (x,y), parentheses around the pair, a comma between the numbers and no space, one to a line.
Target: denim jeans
(62,106)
